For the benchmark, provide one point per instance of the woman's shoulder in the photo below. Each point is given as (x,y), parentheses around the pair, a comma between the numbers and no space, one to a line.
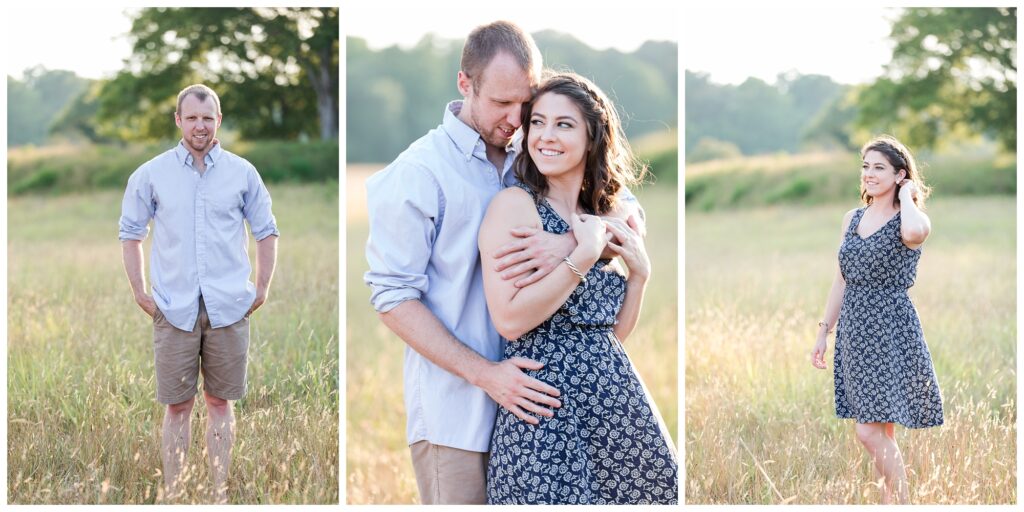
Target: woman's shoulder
(510,208)
(848,216)
(511,196)
(513,204)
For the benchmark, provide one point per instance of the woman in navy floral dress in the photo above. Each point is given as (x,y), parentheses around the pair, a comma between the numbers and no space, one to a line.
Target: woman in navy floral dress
(607,442)
(883,369)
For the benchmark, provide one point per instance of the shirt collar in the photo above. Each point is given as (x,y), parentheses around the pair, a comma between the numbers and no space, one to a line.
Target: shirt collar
(185,157)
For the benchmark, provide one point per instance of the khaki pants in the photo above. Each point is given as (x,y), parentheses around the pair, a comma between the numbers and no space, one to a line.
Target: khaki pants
(449,476)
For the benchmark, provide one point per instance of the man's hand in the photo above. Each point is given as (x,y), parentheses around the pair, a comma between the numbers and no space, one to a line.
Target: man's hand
(146,302)
(516,391)
(533,255)
(261,297)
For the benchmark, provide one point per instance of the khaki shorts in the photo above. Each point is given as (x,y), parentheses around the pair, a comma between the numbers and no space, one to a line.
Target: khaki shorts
(221,354)
(449,476)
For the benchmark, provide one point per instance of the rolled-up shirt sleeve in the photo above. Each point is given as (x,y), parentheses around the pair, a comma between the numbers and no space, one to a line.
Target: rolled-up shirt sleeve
(137,207)
(257,208)
(405,207)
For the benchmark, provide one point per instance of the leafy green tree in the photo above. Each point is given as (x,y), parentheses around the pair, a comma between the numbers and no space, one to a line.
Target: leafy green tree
(952,70)
(275,70)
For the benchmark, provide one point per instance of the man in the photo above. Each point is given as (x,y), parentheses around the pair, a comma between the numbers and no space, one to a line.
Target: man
(425,210)
(198,196)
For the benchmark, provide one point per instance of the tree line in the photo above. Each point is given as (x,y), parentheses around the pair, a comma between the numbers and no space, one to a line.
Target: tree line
(952,75)
(395,95)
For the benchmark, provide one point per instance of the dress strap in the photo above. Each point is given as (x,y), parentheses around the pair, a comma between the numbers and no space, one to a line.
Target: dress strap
(526,188)
(855,221)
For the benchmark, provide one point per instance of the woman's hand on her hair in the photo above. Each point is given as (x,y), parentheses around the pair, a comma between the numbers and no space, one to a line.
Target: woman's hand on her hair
(908,189)
(629,245)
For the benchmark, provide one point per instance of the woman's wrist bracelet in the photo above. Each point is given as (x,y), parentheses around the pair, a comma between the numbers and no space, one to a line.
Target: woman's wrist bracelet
(823,324)
(572,267)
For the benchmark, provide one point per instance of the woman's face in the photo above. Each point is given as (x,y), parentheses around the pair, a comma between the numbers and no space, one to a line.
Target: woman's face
(558,136)
(878,175)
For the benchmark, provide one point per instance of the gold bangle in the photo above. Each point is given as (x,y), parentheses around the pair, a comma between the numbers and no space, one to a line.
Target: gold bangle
(583,279)
(823,324)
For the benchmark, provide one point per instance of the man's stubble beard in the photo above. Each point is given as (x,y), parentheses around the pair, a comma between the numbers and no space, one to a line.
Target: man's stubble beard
(489,136)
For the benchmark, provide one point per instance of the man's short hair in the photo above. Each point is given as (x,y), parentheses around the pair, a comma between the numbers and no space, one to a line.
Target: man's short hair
(201,92)
(486,41)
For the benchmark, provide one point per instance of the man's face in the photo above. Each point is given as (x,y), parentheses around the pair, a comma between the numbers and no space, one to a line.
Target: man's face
(495,106)
(198,121)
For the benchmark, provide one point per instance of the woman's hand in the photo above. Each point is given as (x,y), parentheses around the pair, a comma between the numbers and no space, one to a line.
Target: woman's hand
(590,234)
(629,245)
(908,190)
(818,354)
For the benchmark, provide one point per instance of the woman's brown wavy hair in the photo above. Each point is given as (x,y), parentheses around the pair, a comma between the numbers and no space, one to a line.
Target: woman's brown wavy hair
(609,162)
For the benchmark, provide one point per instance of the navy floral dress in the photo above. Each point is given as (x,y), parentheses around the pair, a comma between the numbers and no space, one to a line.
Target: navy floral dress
(883,370)
(607,443)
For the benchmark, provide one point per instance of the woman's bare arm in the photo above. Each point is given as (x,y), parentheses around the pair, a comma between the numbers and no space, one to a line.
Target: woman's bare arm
(832,305)
(515,311)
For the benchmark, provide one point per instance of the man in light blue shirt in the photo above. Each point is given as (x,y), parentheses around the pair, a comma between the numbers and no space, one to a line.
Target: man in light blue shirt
(198,197)
(425,210)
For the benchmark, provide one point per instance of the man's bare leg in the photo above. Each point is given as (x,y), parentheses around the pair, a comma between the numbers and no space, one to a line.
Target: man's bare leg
(174,443)
(220,436)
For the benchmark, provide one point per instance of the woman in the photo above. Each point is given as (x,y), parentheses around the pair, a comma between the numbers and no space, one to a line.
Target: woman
(606,443)
(883,370)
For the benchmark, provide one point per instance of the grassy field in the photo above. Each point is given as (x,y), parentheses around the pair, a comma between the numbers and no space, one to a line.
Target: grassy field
(83,424)
(760,423)
(379,469)
(826,177)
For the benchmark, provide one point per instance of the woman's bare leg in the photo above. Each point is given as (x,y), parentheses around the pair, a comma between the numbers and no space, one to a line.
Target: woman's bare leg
(880,441)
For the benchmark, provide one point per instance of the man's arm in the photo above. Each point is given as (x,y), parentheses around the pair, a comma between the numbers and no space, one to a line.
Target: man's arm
(403,203)
(266,260)
(535,252)
(136,210)
(131,255)
(503,381)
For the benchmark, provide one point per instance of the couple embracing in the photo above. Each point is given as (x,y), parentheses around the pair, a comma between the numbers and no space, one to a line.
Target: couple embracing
(495,261)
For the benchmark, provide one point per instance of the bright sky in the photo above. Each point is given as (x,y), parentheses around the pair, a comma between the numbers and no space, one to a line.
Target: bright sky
(87,39)
(624,26)
(847,43)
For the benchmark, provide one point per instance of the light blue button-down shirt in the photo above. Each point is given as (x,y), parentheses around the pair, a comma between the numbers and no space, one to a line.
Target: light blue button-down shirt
(425,210)
(200,246)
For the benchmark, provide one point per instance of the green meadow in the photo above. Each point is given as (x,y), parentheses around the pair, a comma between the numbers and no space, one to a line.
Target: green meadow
(83,422)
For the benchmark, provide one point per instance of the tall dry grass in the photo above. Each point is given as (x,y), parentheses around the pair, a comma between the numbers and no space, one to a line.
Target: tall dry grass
(84,426)
(379,469)
(760,422)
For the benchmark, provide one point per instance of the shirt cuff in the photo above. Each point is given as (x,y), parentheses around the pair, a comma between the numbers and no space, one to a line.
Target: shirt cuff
(127,234)
(268,231)
(387,299)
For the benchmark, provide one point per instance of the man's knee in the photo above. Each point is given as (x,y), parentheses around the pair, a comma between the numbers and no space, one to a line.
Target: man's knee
(216,405)
(181,408)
